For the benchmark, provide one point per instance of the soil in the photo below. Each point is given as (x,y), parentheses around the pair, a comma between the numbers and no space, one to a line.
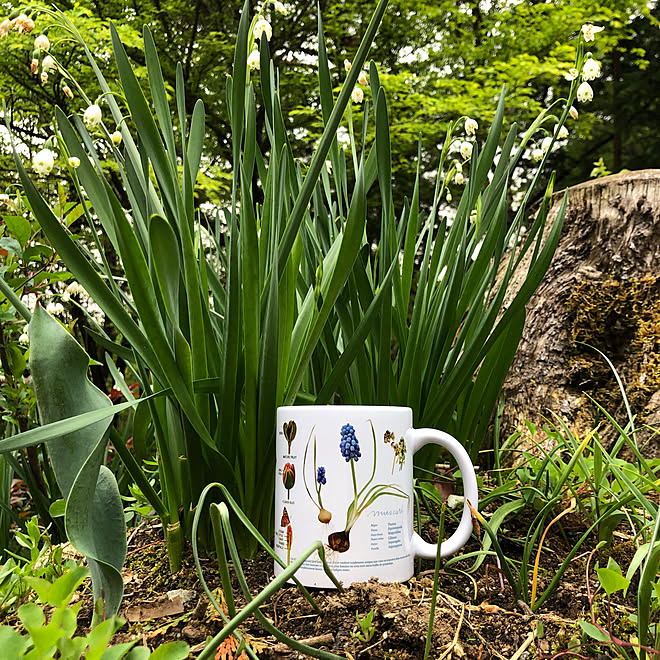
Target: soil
(475,617)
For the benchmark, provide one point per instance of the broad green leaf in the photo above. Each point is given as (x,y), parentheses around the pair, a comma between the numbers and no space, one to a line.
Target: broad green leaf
(94,516)
(19,227)
(12,643)
(593,632)
(612,579)
(171,651)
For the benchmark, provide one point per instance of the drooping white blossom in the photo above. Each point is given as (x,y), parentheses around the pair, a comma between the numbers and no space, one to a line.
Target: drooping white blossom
(92,116)
(585,93)
(590,69)
(537,154)
(116,138)
(42,42)
(43,162)
(572,74)
(253,60)
(459,179)
(589,31)
(357,95)
(262,26)
(573,112)
(280,8)
(562,133)
(362,78)
(74,162)
(466,150)
(48,63)
(471,126)
(347,66)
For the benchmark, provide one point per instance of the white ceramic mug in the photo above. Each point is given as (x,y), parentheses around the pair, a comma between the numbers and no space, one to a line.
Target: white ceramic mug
(345,477)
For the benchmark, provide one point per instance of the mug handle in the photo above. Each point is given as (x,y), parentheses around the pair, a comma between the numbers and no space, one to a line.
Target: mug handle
(415,440)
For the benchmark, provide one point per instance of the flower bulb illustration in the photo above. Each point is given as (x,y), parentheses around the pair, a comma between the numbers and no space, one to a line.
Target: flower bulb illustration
(349,446)
(324,515)
(320,480)
(289,543)
(290,430)
(289,477)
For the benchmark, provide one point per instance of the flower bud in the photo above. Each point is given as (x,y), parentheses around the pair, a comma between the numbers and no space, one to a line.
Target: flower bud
(44,77)
(34,66)
(573,112)
(116,138)
(585,93)
(67,91)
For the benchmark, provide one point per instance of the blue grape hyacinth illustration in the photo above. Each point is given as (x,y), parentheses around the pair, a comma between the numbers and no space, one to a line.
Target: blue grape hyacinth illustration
(349,446)
(321,480)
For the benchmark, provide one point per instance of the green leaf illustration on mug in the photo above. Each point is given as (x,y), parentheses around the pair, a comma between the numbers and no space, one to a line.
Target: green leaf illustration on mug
(368,494)
(320,480)
(289,478)
(290,429)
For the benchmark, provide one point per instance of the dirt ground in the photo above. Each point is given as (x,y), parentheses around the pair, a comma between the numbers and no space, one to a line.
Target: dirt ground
(476,616)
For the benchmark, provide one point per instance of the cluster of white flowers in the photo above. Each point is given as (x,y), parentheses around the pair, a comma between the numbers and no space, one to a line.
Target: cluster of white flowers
(75,289)
(22,24)
(55,308)
(25,336)
(357,94)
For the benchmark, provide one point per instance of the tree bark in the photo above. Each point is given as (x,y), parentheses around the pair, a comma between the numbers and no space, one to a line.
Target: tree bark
(602,288)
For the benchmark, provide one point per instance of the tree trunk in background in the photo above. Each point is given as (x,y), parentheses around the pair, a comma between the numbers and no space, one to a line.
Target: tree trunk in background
(603,289)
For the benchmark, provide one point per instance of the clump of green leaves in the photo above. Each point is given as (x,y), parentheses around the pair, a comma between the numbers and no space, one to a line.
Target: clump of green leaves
(366,628)
(45,562)
(49,629)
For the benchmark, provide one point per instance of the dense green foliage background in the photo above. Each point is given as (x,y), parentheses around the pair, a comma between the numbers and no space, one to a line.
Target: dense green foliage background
(439,60)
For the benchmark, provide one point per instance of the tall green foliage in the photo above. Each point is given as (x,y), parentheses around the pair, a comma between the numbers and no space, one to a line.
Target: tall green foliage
(282,298)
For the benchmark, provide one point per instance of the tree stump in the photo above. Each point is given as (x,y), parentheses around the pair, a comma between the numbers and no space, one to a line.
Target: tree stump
(602,289)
